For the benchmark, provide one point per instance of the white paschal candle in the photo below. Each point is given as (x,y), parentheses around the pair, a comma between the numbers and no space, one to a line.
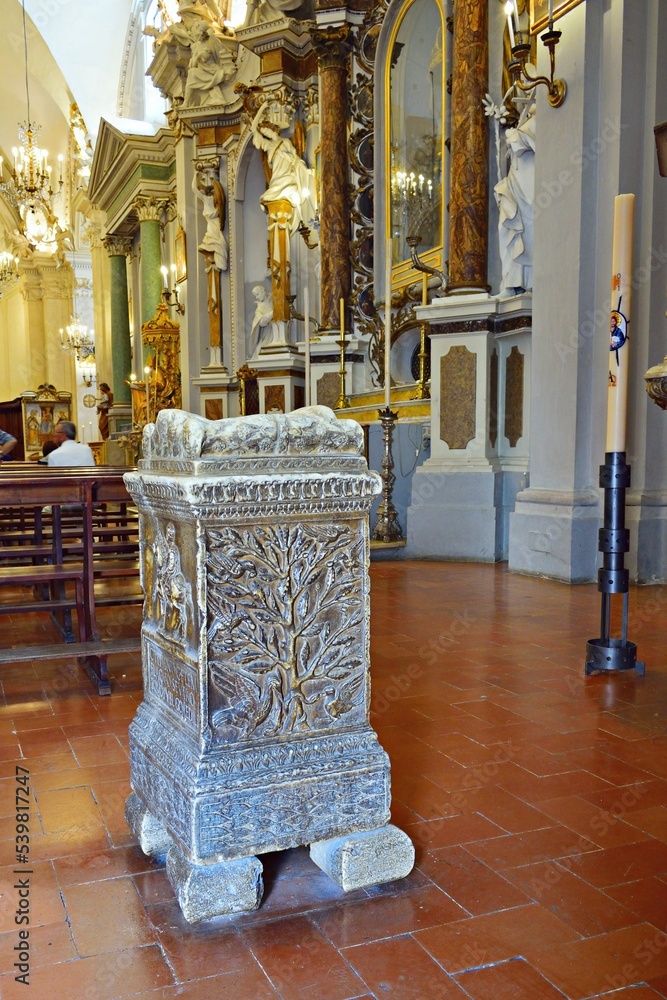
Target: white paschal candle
(387,326)
(306,344)
(621,301)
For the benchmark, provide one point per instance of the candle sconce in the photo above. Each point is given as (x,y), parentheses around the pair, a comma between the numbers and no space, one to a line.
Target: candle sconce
(299,317)
(170,295)
(557,88)
(518,67)
(89,378)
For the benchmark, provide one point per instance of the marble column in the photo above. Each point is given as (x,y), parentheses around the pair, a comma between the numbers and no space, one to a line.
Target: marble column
(150,211)
(121,356)
(469,179)
(332,48)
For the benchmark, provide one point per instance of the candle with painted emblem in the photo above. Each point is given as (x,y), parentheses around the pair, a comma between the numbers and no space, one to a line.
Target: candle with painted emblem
(619,322)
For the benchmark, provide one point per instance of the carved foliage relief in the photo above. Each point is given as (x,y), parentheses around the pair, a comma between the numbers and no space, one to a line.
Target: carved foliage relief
(286,629)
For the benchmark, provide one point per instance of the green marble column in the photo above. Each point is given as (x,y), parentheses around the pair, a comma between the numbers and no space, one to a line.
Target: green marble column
(150,211)
(121,347)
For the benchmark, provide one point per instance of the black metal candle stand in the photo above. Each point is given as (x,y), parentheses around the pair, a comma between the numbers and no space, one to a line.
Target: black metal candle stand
(609,654)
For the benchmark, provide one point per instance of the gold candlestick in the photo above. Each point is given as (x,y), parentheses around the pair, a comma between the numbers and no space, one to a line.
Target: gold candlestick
(342,403)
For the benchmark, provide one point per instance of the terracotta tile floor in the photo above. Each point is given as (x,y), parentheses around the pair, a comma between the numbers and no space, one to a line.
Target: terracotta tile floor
(536,799)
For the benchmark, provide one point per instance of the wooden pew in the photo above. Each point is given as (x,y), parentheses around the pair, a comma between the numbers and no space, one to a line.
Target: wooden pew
(26,487)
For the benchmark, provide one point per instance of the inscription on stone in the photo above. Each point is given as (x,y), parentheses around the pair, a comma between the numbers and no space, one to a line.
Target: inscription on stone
(172,682)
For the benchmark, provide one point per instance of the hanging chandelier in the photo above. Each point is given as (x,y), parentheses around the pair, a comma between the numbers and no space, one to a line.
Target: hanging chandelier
(9,269)
(30,186)
(77,338)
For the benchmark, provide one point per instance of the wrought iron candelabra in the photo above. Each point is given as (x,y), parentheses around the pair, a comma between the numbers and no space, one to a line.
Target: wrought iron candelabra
(608,653)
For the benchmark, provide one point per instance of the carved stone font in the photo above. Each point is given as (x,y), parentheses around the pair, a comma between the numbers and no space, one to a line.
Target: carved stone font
(253,735)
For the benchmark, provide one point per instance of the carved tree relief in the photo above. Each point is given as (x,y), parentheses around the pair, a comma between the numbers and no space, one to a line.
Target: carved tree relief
(286,629)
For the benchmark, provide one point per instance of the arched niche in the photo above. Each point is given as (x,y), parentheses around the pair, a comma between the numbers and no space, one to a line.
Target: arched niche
(410,155)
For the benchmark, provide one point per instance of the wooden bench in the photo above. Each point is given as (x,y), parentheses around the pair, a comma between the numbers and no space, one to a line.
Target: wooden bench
(89,532)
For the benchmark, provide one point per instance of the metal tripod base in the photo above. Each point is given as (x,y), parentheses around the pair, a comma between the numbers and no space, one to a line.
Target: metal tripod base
(612,654)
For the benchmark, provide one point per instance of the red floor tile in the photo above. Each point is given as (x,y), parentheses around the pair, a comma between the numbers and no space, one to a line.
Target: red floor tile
(514,980)
(399,968)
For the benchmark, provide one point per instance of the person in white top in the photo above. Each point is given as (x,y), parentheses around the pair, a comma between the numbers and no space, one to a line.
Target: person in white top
(69,452)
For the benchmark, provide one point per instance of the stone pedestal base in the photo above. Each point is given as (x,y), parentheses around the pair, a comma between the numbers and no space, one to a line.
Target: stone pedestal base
(205,891)
(461,515)
(361,859)
(151,834)
(554,533)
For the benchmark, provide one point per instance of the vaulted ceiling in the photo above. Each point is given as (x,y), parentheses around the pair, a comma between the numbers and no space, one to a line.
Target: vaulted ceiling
(75,52)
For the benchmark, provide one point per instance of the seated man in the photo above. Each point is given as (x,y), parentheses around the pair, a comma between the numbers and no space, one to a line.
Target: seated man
(7,444)
(69,451)
(47,448)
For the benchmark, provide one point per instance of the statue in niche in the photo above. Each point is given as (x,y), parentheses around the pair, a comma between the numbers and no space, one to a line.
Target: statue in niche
(289,201)
(262,329)
(212,63)
(206,185)
(515,194)
(210,192)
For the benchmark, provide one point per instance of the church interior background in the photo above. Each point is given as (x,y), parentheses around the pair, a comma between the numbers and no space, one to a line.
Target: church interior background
(375,125)
(248,207)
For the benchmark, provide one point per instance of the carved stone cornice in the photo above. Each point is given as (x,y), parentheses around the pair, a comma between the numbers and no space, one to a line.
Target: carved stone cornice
(117,246)
(149,208)
(332,46)
(92,234)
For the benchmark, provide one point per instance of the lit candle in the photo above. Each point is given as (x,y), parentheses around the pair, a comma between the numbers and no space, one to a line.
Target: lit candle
(306,323)
(424,289)
(165,272)
(510,27)
(90,430)
(621,296)
(147,372)
(60,168)
(173,272)
(387,326)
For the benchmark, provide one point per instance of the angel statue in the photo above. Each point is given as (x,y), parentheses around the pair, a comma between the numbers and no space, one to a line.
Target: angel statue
(289,201)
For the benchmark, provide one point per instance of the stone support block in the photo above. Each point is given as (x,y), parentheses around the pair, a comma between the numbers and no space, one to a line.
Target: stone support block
(362,859)
(205,891)
(149,831)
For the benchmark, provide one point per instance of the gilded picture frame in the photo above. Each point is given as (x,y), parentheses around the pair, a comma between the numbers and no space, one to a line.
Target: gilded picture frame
(180,258)
(539,12)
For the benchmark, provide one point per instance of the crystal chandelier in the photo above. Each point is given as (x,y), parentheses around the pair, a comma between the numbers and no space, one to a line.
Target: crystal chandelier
(9,269)
(30,185)
(77,338)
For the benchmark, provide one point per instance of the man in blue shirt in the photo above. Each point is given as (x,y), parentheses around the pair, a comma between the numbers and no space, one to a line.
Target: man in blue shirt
(7,444)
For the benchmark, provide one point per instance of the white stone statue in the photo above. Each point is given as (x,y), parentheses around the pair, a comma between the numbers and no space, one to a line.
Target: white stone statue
(262,331)
(212,63)
(515,195)
(290,177)
(211,194)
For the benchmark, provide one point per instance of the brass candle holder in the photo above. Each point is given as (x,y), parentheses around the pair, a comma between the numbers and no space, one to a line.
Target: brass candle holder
(342,403)
(387,528)
(557,89)
(422,391)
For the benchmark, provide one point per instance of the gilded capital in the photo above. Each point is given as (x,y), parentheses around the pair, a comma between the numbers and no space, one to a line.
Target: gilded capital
(332,46)
(149,208)
(117,246)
